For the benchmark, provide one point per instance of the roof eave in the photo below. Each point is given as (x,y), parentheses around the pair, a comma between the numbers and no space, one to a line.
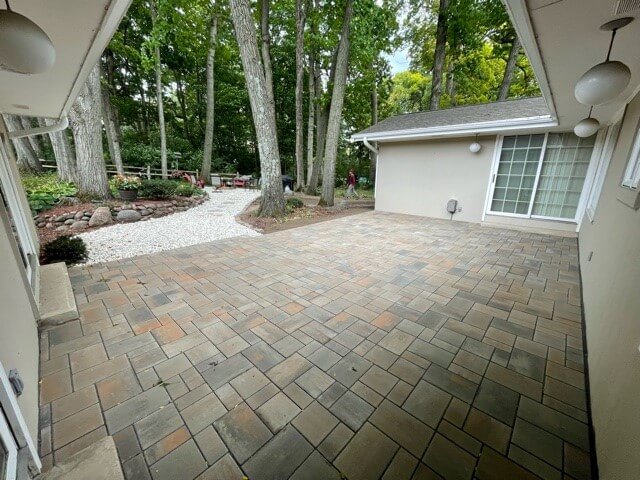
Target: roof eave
(461,130)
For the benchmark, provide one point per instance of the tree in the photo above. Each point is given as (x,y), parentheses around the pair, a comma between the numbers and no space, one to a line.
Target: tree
(311,114)
(85,118)
(207,151)
(300,22)
(335,111)
(64,154)
(262,109)
(509,68)
(26,155)
(158,72)
(109,121)
(439,57)
(266,49)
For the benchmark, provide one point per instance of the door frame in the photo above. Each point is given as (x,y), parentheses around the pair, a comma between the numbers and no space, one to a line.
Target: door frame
(15,420)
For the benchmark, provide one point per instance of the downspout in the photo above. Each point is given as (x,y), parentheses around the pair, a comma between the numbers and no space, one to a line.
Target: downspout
(374,150)
(28,132)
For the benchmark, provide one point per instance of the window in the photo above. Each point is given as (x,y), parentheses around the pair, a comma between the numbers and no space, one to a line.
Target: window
(541,175)
(517,172)
(632,173)
(601,170)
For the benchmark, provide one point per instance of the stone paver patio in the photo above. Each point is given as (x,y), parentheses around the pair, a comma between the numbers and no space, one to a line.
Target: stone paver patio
(372,346)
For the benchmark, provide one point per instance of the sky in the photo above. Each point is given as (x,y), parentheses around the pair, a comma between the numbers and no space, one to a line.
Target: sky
(399,60)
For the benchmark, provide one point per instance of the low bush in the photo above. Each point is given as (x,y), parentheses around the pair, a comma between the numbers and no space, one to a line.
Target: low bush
(184,189)
(294,203)
(67,249)
(157,189)
(45,190)
(125,182)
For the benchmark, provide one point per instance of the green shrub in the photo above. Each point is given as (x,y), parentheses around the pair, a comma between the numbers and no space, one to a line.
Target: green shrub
(65,249)
(184,189)
(157,189)
(124,182)
(45,190)
(294,203)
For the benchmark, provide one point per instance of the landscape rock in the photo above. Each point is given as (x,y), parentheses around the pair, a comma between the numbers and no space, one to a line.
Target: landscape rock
(126,216)
(78,215)
(102,216)
(69,221)
(62,228)
(79,225)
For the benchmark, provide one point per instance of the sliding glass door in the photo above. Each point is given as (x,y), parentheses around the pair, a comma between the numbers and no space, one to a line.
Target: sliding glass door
(541,175)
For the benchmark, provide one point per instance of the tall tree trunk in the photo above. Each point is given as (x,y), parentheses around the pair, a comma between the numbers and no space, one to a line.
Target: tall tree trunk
(509,69)
(186,130)
(34,140)
(144,118)
(451,82)
(266,51)
(321,135)
(300,22)
(85,118)
(335,111)
(264,119)
(64,154)
(439,57)
(311,117)
(161,125)
(26,156)
(373,157)
(207,151)
(45,141)
(113,142)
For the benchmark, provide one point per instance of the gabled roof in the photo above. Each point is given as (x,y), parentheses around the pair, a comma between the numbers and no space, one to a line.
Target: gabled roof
(470,119)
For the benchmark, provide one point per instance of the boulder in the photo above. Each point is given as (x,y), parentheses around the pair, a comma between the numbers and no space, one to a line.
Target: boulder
(128,216)
(79,225)
(102,216)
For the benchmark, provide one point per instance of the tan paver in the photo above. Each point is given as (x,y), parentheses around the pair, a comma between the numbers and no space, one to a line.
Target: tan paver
(375,346)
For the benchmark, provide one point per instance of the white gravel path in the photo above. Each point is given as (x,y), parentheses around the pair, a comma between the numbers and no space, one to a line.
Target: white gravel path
(212,220)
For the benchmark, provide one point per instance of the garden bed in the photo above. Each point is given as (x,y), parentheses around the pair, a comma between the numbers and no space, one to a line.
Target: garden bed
(71,219)
(308,214)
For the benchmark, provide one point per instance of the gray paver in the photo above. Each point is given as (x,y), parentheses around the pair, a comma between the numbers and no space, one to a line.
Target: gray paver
(242,431)
(185,462)
(367,454)
(280,457)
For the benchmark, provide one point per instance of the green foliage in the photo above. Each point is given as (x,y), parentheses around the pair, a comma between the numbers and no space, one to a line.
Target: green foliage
(157,189)
(67,249)
(45,190)
(293,203)
(409,93)
(184,189)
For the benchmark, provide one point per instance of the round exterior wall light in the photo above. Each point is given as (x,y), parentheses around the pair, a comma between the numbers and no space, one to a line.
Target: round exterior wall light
(475,147)
(587,127)
(24,46)
(602,83)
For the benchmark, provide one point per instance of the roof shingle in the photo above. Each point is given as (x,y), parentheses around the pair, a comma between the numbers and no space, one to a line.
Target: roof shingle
(485,112)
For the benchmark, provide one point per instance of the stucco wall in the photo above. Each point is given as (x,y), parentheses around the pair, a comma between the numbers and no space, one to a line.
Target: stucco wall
(19,346)
(418,178)
(18,331)
(611,283)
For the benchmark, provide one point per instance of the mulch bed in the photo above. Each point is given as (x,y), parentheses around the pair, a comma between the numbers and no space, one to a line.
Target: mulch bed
(307,215)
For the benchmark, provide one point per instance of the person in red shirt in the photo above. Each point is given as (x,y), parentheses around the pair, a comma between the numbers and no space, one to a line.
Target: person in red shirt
(351,185)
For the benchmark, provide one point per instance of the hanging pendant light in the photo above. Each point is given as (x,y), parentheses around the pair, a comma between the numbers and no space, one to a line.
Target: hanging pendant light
(605,81)
(24,46)
(475,147)
(587,127)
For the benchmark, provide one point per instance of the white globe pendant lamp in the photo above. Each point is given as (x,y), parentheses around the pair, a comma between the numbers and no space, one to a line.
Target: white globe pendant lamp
(605,81)
(587,127)
(475,147)
(24,46)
